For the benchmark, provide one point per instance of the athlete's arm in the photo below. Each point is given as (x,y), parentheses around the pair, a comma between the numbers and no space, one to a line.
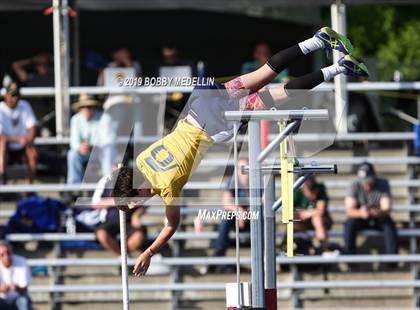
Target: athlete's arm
(173,215)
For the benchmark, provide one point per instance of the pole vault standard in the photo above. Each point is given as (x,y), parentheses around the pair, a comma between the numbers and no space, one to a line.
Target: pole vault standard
(123,244)
(263,289)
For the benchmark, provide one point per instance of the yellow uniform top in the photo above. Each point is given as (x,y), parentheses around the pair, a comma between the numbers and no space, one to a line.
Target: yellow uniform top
(168,163)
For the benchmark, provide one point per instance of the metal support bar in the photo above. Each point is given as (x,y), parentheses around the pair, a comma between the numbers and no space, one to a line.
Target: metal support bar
(412,194)
(57,278)
(276,169)
(76,51)
(277,115)
(404,116)
(176,275)
(338,23)
(257,253)
(284,175)
(61,66)
(269,233)
(296,301)
(124,275)
(276,142)
(299,182)
(290,207)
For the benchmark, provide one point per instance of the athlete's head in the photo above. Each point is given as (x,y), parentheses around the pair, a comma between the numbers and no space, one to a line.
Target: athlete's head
(129,188)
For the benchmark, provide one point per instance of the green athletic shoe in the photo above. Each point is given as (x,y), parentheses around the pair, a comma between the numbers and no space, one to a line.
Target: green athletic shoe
(334,40)
(353,66)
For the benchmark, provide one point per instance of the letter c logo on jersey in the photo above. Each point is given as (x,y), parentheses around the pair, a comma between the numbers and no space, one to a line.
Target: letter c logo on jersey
(161,159)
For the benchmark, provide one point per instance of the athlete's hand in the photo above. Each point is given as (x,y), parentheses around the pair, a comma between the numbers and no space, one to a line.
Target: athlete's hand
(142,264)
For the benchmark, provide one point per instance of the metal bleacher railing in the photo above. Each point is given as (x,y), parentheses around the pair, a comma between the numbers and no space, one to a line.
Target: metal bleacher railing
(174,262)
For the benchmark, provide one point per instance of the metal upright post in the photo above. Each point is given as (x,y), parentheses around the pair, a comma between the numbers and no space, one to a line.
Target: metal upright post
(124,275)
(257,253)
(338,23)
(76,51)
(61,66)
(270,278)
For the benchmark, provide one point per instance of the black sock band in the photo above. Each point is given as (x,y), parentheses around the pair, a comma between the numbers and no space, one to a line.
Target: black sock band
(307,81)
(282,59)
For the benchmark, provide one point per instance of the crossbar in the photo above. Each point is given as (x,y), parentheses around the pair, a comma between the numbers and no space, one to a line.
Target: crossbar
(277,115)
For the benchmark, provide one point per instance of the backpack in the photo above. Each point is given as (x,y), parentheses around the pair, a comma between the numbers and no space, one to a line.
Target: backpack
(36,214)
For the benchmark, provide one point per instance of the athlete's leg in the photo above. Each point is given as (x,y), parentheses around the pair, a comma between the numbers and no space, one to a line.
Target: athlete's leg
(274,97)
(253,81)
(325,38)
(347,65)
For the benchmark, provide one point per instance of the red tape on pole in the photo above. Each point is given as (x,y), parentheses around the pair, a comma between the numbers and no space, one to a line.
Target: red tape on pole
(265,130)
(271,298)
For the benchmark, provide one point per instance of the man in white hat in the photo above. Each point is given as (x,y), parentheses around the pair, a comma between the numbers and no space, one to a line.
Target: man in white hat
(84,137)
(17,133)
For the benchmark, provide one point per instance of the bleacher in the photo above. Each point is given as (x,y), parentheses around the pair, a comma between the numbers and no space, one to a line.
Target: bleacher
(304,281)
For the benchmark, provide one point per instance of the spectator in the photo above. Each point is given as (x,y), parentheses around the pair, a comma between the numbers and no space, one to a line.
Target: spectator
(121,58)
(38,72)
(313,200)
(368,206)
(122,66)
(173,66)
(17,132)
(226,225)
(170,55)
(107,231)
(15,277)
(262,52)
(87,140)
(361,115)
(40,75)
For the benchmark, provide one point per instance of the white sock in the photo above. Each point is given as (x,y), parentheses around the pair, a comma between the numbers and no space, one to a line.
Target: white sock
(311,45)
(331,71)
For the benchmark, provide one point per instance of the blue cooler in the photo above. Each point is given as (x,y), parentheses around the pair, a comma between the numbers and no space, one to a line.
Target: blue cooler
(417,139)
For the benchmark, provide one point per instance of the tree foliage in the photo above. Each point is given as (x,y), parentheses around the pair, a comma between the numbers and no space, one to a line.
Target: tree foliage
(391,35)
